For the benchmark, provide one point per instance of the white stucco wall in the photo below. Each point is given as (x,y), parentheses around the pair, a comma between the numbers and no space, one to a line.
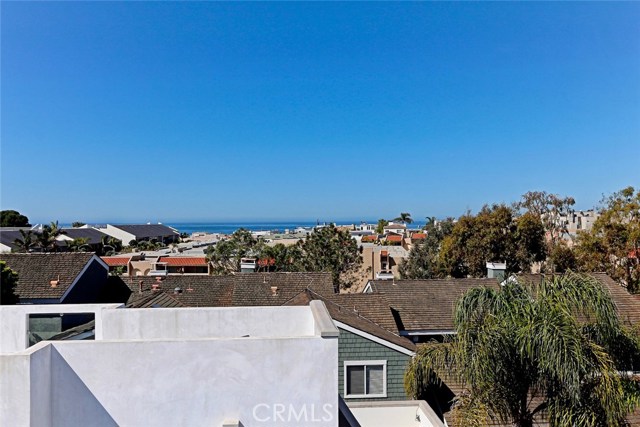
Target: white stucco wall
(15,321)
(284,373)
(188,323)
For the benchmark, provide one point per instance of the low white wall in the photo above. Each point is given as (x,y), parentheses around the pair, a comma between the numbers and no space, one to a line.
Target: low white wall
(188,323)
(15,321)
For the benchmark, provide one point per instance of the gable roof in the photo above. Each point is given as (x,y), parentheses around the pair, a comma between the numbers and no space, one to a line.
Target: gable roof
(352,318)
(394,226)
(427,305)
(143,231)
(394,238)
(8,237)
(94,236)
(374,307)
(418,236)
(37,270)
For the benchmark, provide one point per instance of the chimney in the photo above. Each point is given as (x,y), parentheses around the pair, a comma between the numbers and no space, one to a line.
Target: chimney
(140,286)
(496,270)
(274,290)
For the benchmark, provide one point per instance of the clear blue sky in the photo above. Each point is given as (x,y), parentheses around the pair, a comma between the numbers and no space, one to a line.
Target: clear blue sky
(215,111)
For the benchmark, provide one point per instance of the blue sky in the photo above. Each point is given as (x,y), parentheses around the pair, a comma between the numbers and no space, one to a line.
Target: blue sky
(253,111)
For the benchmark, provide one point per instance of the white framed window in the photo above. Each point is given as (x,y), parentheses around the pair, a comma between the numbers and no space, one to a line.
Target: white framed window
(365,378)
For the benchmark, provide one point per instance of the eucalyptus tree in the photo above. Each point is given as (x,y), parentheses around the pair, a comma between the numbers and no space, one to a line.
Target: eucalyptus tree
(554,349)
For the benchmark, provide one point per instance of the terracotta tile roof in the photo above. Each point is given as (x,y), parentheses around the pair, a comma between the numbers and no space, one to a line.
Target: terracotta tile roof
(394,238)
(115,261)
(427,304)
(37,270)
(418,236)
(394,226)
(372,238)
(183,261)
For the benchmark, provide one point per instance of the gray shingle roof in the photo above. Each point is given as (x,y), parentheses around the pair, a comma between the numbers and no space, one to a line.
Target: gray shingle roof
(7,237)
(143,231)
(92,234)
(37,270)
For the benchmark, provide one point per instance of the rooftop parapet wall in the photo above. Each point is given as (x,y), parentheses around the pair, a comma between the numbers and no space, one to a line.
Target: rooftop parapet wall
(14,321)
(276,376)
(196,323)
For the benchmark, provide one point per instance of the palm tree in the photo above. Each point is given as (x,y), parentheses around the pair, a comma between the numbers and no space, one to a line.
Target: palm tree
(555,348)
(79,244)
(26,243)
(47,238)
(404,217)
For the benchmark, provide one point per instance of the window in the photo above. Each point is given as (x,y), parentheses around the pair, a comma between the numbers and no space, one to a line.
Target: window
(365,378)
(60,326)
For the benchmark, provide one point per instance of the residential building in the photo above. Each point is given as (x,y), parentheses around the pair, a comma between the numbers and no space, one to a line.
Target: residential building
(141,232)
(93,237)
(58,278)
(399,229)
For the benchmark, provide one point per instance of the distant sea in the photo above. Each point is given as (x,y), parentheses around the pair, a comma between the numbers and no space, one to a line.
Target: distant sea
(230,227)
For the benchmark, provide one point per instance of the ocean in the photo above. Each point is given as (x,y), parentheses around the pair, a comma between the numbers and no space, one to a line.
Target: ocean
(230,227)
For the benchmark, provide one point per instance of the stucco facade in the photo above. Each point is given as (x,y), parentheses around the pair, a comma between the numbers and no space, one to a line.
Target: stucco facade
(179,367)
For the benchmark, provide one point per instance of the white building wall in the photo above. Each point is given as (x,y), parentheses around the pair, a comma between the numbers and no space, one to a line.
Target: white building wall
(15,321)
(119,234)
(286,374)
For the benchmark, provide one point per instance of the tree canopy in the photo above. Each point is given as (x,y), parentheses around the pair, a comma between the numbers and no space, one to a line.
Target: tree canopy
(425,261)
(555,348)
(327,249)
(332,250)
(494,234)
(613,244)
(8,283)
(11,218)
